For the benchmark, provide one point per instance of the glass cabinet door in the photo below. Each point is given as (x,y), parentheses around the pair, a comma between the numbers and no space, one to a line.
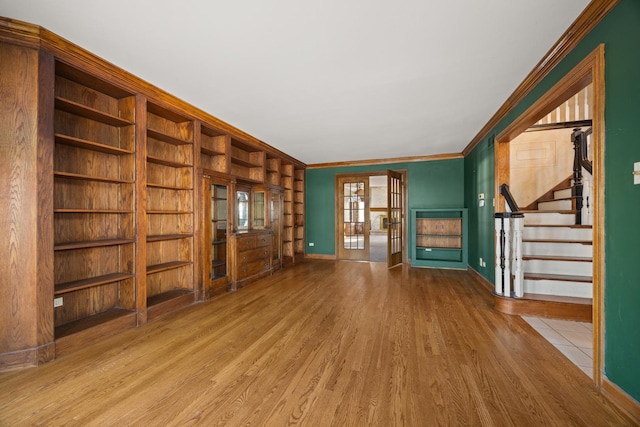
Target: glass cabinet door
(219,196)
(258,209)
(242,210)
(275,221)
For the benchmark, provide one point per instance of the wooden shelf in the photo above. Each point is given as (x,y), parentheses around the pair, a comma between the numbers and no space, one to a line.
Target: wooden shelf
(157,268)
(161,237)
(167,296)
(164,162)
(167,187)
(81,177)
(90,145)
(91,244)
(91,322)
(211,152)
(94,211)
(169,212)
(76,285)
(90,113)
(243,162)
(161,136)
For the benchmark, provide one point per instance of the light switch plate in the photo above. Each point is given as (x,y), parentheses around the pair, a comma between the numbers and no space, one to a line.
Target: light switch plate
(636,173)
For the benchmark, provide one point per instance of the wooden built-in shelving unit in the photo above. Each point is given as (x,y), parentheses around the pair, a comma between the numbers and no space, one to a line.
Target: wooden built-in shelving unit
(298,212)
(170,214)
(93,200)
(439,238)
(109,223)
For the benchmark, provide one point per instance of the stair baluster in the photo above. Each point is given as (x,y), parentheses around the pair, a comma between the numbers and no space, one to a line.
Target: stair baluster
(508,226)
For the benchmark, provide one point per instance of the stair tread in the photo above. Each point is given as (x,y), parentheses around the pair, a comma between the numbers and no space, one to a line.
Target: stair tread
(559,277)
(558,258)
(558,199)
(559,225)
(556,298)
(582,242)
(560,211)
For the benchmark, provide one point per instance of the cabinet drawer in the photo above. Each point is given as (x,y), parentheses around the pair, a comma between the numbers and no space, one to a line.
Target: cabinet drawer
(262,241)
(252,255)
(255,267)
(246,242)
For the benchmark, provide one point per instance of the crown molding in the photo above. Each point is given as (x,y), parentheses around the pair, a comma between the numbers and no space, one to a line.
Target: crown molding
(371,162)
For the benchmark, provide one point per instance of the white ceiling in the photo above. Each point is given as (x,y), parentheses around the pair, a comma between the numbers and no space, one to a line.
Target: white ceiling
(324,80)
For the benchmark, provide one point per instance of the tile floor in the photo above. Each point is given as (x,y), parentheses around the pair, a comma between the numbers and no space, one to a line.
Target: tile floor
(573,339)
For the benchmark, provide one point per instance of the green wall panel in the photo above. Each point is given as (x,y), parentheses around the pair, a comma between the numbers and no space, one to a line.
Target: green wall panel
(433,184)
(620,33)
(479,177)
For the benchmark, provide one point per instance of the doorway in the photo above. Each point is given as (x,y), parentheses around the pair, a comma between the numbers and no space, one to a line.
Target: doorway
(589,71)
(370,217)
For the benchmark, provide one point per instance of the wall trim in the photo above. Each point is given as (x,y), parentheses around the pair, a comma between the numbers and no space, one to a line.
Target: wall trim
(320,256)
(27,358)
(371,162)
(587,21)
(481,279)
(621,399)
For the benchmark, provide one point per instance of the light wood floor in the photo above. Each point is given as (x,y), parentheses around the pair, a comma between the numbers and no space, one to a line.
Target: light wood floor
(320,343)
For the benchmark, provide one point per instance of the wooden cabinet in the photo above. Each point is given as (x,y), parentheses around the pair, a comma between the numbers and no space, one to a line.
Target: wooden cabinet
(215,229)
(251,256)
(439,238)
(109,220)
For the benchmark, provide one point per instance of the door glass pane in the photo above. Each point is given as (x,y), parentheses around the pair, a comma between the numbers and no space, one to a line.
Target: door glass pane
(242,205)
(258,209)
(275,209)
(219,231)
(354,210)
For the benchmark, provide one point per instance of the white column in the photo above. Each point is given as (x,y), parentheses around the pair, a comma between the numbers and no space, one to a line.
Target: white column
(498,278)
(518,274)
(507,258)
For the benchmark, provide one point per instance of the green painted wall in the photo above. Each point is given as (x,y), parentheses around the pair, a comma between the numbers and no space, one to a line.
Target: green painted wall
(620,33)
(479,173)
(434,184)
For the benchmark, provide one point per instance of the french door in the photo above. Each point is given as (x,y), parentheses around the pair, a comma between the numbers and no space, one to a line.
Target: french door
(353,218)
(395,204)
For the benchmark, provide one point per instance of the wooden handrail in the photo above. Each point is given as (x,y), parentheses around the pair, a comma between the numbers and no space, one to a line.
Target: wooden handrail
(511,202)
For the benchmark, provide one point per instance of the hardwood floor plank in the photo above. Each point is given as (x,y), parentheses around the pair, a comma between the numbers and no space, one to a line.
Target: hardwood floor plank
(319,343)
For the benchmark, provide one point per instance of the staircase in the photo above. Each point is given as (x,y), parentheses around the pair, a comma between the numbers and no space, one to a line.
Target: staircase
(556,260)
(556,253)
